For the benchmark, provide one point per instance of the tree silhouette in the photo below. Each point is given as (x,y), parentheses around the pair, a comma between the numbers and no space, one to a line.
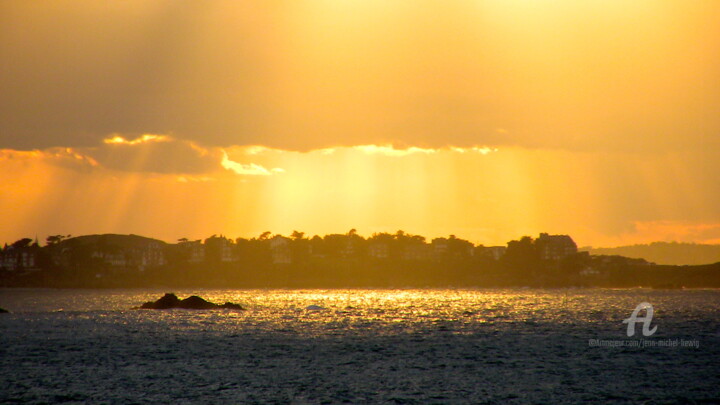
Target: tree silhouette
(522,257)
(22,243)
(55,239)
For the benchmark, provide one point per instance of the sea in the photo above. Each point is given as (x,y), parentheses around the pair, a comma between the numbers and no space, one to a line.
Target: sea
(378,346)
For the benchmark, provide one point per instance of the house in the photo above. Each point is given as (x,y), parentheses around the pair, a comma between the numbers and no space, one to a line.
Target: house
(415,251)
(339,246)
(280,250)
(219,249)
(12,258)
(194,251)
(350,248)
(151,255)
(451,247)
(491,252)
(114,259)
(378,249)
(108,252)
(228,254)
(21,255)
(139,254)
(439,247)
(555,247)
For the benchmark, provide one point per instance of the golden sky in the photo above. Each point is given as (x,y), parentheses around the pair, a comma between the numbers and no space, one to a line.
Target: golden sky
(485,119)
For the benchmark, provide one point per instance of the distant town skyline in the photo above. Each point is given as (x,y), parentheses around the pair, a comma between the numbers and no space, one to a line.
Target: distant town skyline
(346,260)
(664,253)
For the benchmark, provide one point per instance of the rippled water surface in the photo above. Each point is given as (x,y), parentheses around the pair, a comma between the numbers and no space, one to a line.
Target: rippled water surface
(334,346)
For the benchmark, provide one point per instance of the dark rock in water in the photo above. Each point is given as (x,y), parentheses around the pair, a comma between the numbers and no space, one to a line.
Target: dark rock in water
(195,302)
(5,311)
(230,305)
(167,301)
(171,300)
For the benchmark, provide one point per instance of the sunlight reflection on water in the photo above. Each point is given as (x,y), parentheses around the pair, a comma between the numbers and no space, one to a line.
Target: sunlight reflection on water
(373,311)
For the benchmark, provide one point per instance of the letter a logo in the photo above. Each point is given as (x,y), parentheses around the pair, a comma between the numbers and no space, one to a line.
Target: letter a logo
(645,320)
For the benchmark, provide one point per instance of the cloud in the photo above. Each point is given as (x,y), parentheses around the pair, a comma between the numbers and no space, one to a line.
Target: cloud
(389,150)
(155,153)
(369,149)
(60,157)
(165,154)
(146,138)
(483,150)
(147,153)
(250,169)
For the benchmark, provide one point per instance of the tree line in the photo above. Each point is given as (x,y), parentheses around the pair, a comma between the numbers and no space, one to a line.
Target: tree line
(345,260)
